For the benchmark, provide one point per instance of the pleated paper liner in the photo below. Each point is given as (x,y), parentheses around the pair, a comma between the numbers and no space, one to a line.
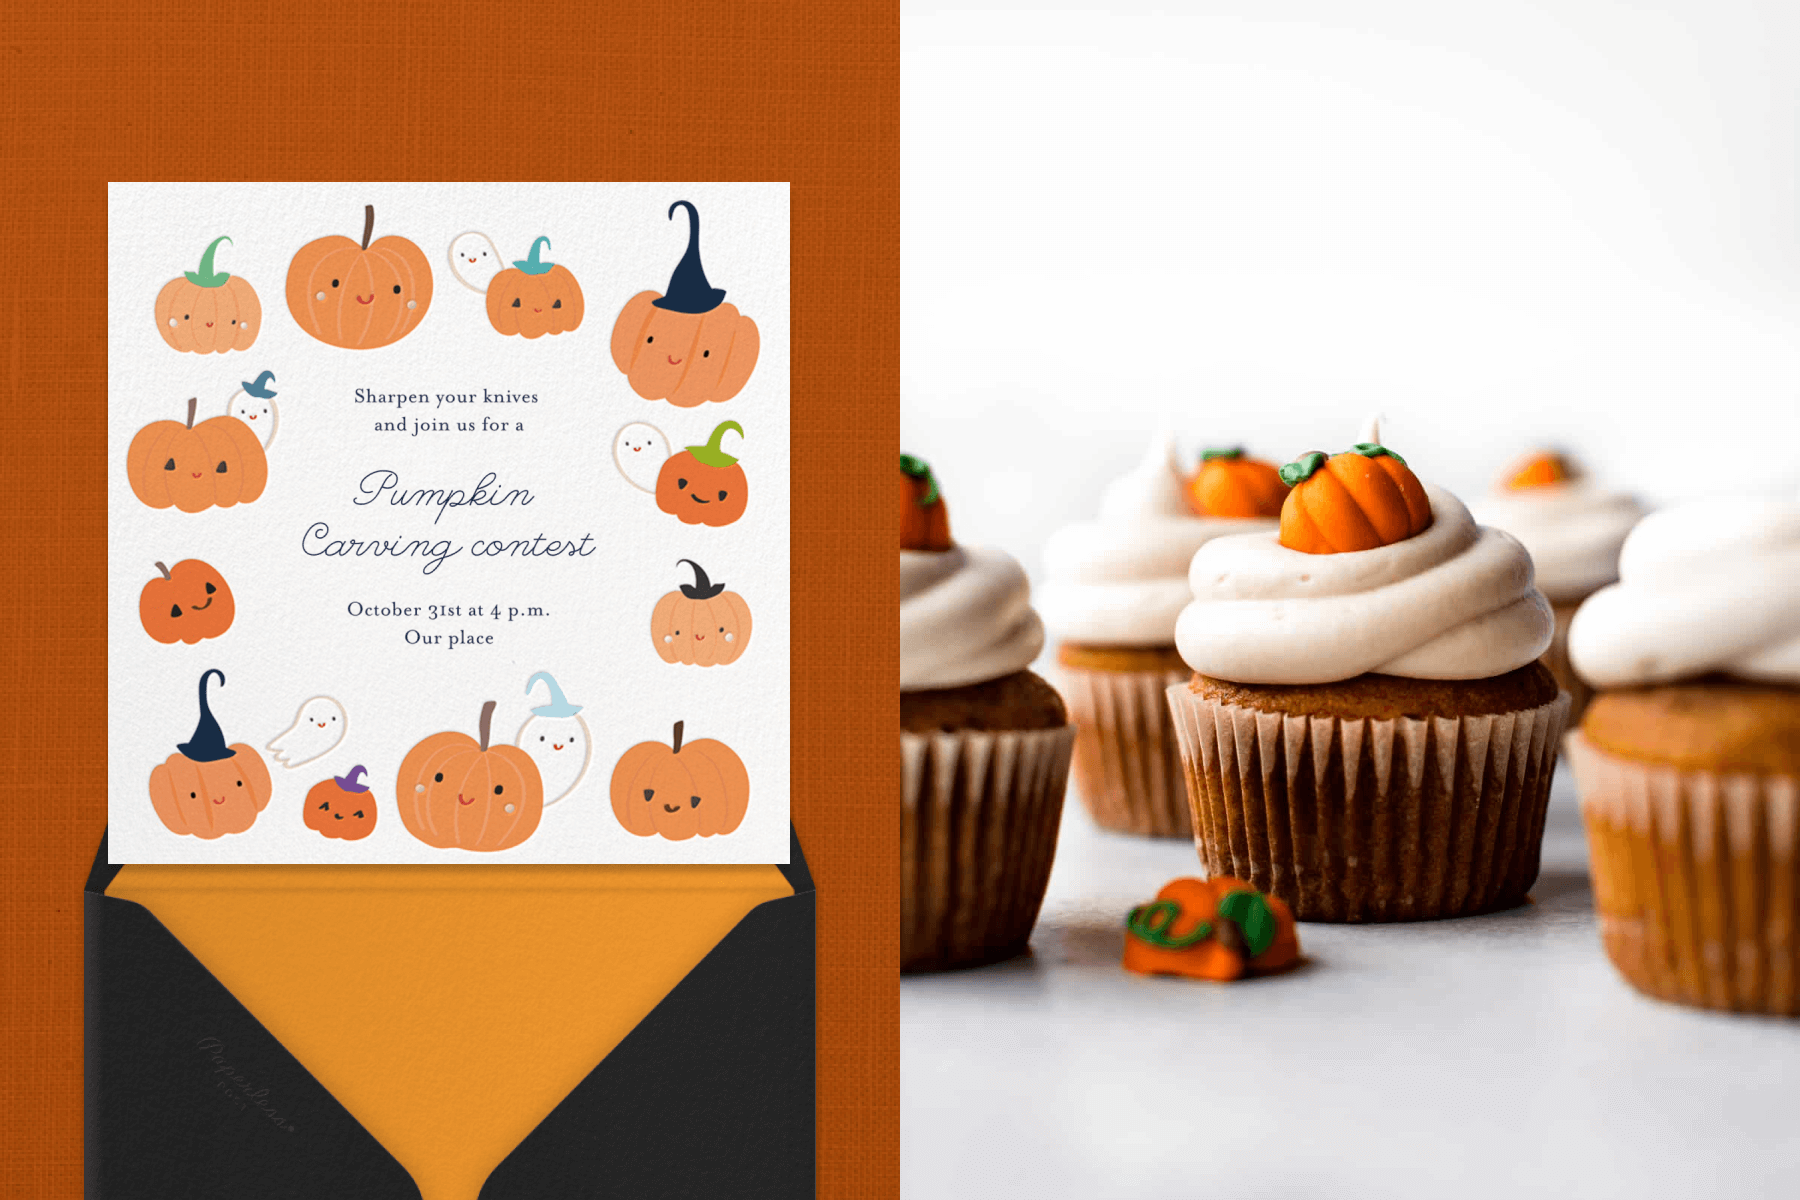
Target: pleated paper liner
(1370,820)
(978,821)
(1557,659)
(1127,765)
(1695,878)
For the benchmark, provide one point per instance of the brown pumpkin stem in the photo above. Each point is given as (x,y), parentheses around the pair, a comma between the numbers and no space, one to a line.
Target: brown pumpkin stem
(164,570)
(487,722)
(368,223)
(193,403)
(678,726)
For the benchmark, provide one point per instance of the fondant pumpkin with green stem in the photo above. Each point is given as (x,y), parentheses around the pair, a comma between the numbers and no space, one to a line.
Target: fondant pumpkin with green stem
(208,789)
(1358,500)
(703,485)
(208,311)
(924,518)
(533,297)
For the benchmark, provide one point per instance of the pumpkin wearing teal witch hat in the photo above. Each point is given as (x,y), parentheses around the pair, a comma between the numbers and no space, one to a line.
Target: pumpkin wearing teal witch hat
(208,789)
(556,739)
(533,297)
(686,345)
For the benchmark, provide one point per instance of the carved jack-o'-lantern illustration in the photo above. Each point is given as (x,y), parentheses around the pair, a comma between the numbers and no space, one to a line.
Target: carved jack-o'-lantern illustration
(189,603)
(533,297)
(703,485)
(679,791)
(194,467)
(342,807)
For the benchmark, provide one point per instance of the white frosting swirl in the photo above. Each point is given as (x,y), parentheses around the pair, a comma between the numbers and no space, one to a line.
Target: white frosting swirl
(965,617)
(1122,580)
(1573,531)
(1454,602)
(1712,585)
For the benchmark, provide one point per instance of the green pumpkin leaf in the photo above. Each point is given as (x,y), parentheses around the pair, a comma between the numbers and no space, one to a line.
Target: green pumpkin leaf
(1251,913)
(1376,450)
(1232,452)
(918,468)
(1150,923)
(1302,468)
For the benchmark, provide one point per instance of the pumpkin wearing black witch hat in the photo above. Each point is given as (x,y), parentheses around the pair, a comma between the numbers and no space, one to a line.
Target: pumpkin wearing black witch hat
(686,345)
(206,788)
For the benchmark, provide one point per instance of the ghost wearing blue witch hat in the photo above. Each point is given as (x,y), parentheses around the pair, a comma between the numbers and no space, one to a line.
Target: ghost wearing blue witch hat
(557,740)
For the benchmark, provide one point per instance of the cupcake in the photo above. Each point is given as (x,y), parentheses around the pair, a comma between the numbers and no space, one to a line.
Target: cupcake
(1368,733)
(984,744)
(1573,528)
(1114,589)
(1688,761)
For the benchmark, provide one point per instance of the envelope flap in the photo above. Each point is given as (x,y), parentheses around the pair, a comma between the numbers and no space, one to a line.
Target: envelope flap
(795,871)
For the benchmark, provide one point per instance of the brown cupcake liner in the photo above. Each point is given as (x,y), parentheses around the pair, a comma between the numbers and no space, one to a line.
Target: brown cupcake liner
(1695,879)
(1370,820)
(978,821)
(1556,658)
(1127,763)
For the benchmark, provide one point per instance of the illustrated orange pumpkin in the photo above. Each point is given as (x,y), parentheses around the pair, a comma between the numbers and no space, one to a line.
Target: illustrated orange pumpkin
(457,793)
(701,624)
(1358,500)
(924,517)
(208,789)
(703,485)
(1541,469)
(341,807)
(1219,929)
(1231,485)
(532,297)
(189,602)
(208,311)
(193,467)
(686,345)
(679,791)
(359,296)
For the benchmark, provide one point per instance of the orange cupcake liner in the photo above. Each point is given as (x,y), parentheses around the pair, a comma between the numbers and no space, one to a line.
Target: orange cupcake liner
(1127,762)
(1695,878)
(1370,820)
(979,816)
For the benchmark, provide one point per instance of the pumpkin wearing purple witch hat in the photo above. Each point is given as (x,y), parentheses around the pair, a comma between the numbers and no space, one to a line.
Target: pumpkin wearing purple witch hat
(207,788)
(686,345)
(342,806)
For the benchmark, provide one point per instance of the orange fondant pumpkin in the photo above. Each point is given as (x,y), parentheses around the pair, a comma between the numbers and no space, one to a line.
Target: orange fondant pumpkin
(193,467)
(1219,929)
(341,807)
(1539,470)
(189,603)
(679,791)
(924,517)
(701,624)
(359,296)
(208,311)
(1230,485)
(686,346)
(208,789)
(533,297)
(703,485)
(1358,500)
(457,793)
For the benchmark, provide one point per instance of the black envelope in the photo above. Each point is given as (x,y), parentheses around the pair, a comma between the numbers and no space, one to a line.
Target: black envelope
(711,1094)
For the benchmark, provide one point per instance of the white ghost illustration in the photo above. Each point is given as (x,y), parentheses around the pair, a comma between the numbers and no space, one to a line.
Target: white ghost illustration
(640,450)
(254,405)
(556,739)
(318,727)
(474,260)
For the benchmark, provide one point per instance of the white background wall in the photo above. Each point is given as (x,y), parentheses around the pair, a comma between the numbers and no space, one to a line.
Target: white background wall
(1570,221)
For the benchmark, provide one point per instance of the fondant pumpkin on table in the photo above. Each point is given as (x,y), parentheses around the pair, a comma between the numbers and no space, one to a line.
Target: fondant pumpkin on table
(924,518)
(1544,468)
(342,807)
(193,467)
(208,789)
(457,793)
(1220,929)
(703,485)
(533,297)
(188,602)
(359,296)
(1358,500)
(679,791)
(1229,484)
(701,623)
(686,345)
(208,311)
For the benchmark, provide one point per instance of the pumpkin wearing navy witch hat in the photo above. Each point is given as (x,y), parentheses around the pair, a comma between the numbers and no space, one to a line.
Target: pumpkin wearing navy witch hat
(206,788)
(686,345)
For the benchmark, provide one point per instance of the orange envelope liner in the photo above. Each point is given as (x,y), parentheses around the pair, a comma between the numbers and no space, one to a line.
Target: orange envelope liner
(449,1033)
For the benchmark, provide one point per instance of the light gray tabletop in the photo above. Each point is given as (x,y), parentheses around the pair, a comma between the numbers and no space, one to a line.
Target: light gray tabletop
(1495,1056)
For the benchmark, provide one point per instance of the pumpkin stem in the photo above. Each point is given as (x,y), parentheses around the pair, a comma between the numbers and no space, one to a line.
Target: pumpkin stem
(206,277)
(193,402)
(164,570)
(531,264)
(710,454)
(702,588)
(368,223)
(678,726)
(1234,452)
(1376,450)
(918,468)
(487,722)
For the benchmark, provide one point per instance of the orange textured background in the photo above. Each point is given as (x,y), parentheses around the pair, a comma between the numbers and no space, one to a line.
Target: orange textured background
(147,89)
